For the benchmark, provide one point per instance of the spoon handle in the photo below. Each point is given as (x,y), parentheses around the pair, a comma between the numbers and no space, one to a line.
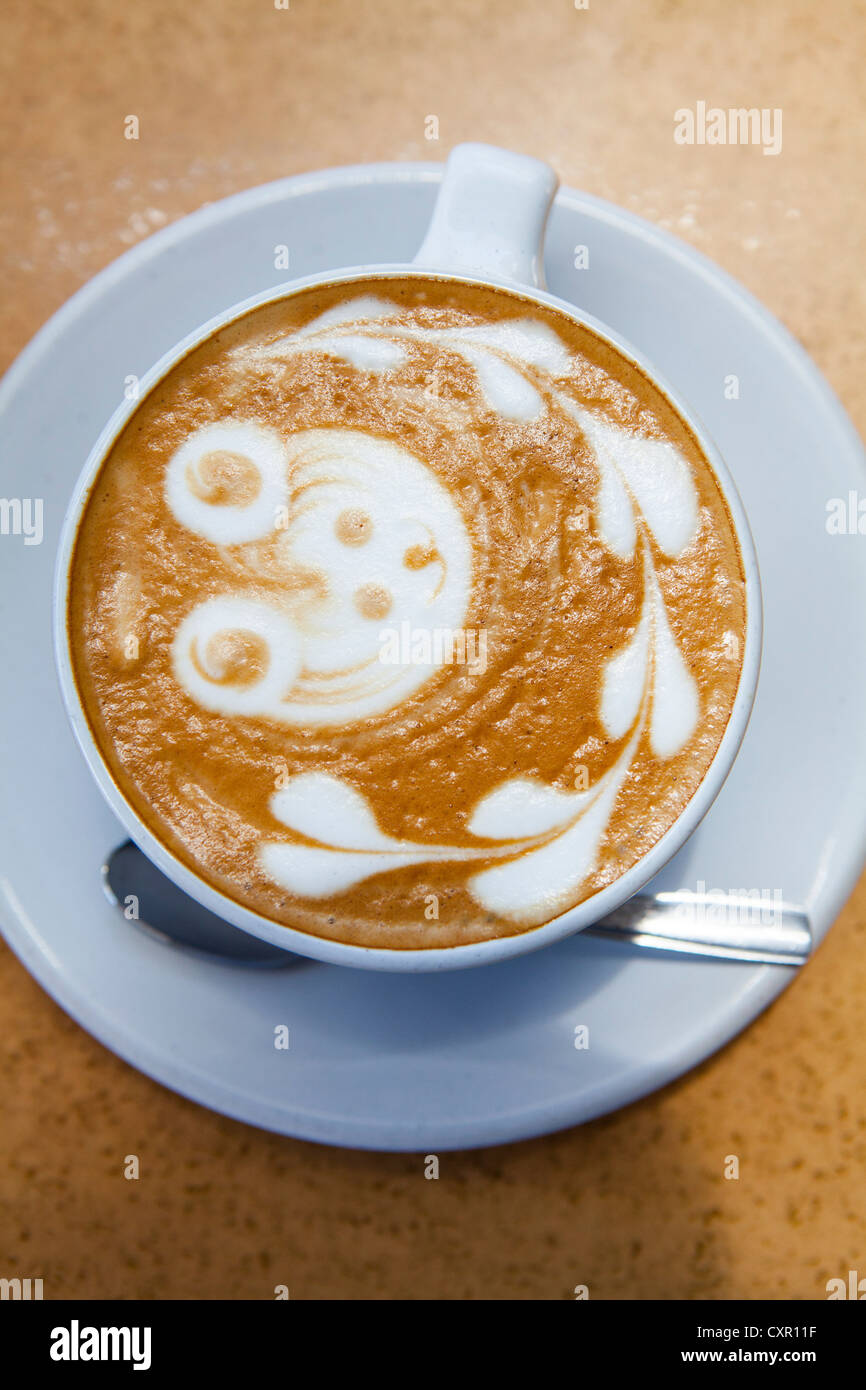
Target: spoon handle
(723,926)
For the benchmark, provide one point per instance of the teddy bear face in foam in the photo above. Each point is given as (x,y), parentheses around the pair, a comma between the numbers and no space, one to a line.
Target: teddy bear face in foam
(363,540)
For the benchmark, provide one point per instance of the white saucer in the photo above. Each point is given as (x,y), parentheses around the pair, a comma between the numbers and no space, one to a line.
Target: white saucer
(480,1056)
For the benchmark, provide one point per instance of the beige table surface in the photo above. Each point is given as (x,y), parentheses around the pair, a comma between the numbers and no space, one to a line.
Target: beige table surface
(231,93)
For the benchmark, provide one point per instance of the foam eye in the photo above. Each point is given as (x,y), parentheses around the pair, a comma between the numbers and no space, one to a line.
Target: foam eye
(228,482)
(353,526)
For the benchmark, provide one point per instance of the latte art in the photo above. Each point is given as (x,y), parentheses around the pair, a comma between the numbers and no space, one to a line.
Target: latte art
(227,481)
(363,333)
(368,533)
(425,458)
(237,655)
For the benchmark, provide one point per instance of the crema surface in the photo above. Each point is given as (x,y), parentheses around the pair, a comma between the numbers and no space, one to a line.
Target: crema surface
(407,613)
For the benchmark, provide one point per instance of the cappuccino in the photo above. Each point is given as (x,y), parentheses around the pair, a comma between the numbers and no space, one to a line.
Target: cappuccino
(407,613)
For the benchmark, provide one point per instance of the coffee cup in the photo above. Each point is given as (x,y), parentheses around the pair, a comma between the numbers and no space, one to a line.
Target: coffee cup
(234,655)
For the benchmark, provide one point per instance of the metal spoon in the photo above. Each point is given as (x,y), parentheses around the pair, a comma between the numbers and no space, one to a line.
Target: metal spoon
(731,928)
(151,901)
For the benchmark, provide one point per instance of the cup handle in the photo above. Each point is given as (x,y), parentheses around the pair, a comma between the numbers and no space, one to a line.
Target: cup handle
(490,216)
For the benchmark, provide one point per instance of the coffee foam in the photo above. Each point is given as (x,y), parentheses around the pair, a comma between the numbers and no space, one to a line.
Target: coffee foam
(650,670)
(323,651)
(223,521)
(486,347)
(417,468)
(551,839)
(268,663)
(639,477)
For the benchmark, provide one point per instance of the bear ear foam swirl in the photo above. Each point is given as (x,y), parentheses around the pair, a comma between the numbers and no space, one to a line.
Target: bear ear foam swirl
(242,506)
(237,656)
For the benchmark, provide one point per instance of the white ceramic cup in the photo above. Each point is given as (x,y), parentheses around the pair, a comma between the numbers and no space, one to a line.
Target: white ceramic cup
(487,228)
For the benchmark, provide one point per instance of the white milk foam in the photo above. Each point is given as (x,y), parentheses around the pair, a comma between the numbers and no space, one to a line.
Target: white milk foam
(203,675)
(227,524)
(357,508)
(347,513)
(487,347)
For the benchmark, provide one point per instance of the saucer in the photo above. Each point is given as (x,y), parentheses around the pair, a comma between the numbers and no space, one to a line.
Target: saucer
(484,1056)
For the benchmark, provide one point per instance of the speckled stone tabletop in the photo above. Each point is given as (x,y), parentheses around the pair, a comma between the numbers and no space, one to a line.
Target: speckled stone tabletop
(238,92)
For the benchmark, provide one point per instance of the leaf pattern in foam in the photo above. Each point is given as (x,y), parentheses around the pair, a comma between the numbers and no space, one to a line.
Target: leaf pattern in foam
(653,471)
(672,687)
(317,873)
(615,517)
(625,678)
(524,807)
(360,350)
(659,479)
(324,808)
(506,390)
(539,884)
(527,340)
(351,846)
(363,307)
(676,701)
